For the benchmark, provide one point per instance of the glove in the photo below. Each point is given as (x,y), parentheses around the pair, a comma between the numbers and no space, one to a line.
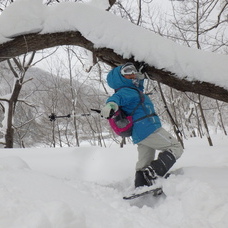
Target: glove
(142,67)
(139,76)
(106,111)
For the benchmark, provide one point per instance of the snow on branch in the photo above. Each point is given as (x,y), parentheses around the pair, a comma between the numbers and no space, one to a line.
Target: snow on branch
(114,41)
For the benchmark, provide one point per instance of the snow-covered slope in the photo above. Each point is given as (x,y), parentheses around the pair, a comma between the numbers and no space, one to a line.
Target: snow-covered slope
(83,187)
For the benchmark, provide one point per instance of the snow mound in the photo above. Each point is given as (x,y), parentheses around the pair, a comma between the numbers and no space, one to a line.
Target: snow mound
(12,162)
(83,187)
(196,202)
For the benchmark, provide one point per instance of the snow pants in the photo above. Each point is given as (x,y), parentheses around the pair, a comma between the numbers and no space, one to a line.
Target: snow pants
(159,140)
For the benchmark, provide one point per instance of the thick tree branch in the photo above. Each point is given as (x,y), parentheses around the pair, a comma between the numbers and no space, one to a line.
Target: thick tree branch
(34,42)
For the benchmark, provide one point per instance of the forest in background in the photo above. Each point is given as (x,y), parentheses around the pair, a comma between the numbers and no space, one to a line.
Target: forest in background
(74,82)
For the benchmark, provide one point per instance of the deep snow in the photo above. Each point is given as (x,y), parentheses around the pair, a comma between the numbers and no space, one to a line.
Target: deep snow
(83,187)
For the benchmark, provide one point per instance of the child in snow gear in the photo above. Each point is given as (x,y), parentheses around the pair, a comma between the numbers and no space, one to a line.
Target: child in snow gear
(147,131)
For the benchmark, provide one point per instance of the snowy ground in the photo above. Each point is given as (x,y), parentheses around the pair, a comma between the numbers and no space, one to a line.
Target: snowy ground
(83,187)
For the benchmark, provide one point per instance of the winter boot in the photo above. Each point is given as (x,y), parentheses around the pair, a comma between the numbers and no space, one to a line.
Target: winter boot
(158,167)
(163,164)
(146,177)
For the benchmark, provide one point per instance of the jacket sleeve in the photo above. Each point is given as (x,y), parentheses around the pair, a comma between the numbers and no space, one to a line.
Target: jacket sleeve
(125,96)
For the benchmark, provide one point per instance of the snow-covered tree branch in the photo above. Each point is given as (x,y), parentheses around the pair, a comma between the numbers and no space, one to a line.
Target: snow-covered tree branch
(114,41)
(33,42)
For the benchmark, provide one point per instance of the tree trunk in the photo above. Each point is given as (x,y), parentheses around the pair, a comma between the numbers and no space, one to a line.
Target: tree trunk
(10,115)
(9,131)
(204,122)
(176,131)
(221,119)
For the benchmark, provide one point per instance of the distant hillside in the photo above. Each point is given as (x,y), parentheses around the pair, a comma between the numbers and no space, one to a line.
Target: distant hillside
(44,94)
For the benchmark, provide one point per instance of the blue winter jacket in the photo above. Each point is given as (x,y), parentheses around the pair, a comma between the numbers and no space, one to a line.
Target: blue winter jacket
(128,99)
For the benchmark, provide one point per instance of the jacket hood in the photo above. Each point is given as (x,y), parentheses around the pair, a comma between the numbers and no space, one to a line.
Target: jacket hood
(116,80)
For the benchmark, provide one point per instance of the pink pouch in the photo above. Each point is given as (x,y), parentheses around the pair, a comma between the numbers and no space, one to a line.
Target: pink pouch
(121,124)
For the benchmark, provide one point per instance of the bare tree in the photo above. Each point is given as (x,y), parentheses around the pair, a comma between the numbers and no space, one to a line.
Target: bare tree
(173,122)
(221,117)
(195,23)
(10,103)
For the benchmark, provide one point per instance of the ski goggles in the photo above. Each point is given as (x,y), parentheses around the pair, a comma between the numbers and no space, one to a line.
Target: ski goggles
(128,69)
